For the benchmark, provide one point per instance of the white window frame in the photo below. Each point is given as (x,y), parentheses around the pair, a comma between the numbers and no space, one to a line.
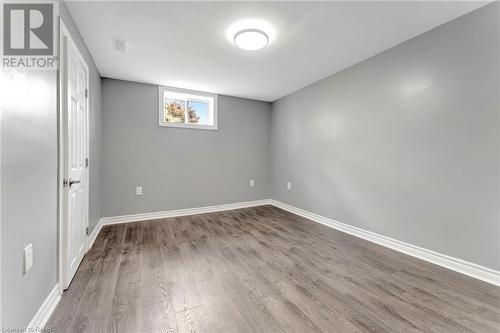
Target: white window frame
(189,95)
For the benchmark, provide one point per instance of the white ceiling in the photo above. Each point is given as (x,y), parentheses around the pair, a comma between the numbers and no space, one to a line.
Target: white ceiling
(184,44)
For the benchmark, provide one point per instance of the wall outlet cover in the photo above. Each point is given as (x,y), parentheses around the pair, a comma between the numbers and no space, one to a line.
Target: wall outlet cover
(252,183)
(138,190)
(28,257)
(288,186)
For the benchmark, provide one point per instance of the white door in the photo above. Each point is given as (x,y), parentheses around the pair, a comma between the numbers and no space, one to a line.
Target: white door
(74,75)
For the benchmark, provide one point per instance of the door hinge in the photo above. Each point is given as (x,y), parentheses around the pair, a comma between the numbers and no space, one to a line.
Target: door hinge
(86,93)
(86,231)
(87,162)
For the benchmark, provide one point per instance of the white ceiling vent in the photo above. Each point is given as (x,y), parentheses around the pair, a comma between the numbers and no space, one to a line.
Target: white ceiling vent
(119,45)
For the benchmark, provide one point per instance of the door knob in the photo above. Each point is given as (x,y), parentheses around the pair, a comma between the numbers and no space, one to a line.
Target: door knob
(69,182)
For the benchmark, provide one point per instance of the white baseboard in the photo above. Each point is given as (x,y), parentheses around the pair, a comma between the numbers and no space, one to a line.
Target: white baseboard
(458,265)
(172,213)
(43,314)
(93,235)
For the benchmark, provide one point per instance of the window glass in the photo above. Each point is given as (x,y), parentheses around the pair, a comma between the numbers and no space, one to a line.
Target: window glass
(175,111)
(197,112)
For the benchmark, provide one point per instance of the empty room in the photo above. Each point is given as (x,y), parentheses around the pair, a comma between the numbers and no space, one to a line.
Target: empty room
(272,166)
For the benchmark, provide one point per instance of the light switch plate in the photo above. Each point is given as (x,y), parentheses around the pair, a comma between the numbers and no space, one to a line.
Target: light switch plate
(28,257)
(138,190)
(252,183)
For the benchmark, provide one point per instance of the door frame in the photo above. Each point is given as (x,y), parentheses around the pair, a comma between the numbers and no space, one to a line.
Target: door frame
(62,144)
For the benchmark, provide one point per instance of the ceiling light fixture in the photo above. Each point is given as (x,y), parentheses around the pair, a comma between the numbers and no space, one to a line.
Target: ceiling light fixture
(251,39)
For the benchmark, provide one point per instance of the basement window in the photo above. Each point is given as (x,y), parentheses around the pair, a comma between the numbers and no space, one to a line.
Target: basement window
(187,109)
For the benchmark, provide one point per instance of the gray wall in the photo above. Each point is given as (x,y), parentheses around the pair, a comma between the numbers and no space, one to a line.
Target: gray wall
(29,193)
(179,168)
(95,102)
(29,184)
(405,144)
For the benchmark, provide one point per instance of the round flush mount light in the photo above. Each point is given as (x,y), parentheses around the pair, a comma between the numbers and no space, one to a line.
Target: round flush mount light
(251,34)
(251,39)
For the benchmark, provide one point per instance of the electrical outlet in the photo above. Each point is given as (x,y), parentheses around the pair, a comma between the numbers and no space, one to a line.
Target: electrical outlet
(252,183)
(138,190)
(28,257)
(288,186)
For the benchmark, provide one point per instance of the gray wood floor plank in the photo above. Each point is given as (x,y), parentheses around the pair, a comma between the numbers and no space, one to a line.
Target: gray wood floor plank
(158,307)
(256,314)
(214,317)
(96,304)
(159,317)
(180,283)
(125,314)
(66,310)
(154,277)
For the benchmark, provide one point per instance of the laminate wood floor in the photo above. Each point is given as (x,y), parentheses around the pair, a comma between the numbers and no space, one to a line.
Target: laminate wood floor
(263,269)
